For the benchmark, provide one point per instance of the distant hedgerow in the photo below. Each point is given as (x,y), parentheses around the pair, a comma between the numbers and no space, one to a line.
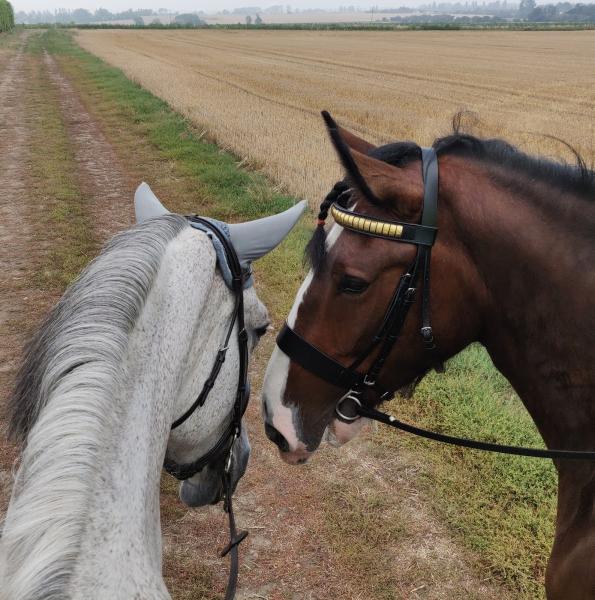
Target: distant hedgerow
(6,16)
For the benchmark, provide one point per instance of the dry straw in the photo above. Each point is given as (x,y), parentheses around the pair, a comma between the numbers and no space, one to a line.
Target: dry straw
(260,93)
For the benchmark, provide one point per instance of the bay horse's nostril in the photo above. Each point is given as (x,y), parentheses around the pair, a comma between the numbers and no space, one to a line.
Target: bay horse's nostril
(276,437)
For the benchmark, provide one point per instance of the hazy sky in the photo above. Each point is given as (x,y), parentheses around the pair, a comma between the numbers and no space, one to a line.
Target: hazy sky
(194,5)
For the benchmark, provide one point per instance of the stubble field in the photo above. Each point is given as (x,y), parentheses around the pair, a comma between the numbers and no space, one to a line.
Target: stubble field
(259,93)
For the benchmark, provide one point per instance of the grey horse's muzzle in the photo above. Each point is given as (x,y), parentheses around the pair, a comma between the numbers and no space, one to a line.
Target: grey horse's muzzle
(206,487)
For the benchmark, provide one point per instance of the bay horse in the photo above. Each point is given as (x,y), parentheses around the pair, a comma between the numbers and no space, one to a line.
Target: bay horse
(511,267)
(115,385)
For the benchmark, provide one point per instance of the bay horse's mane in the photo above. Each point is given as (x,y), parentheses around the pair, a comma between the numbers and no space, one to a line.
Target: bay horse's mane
(576,179)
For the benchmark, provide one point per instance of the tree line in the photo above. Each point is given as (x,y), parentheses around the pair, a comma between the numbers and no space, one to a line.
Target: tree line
(562,11)
(81,15)
(499,13)
(6,16)
(451,12)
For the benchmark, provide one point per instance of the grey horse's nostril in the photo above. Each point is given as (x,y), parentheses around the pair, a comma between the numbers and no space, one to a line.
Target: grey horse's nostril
(276,437)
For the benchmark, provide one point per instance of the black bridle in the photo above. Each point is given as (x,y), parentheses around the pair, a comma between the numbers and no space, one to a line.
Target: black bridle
(352,406)
(423,236)
(222,452)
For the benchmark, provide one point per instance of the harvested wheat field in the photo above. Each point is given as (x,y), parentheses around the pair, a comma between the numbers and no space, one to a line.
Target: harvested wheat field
(259,93)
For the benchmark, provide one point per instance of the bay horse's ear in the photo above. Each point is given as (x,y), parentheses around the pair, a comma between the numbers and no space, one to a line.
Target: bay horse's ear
(353,141)
(379,182)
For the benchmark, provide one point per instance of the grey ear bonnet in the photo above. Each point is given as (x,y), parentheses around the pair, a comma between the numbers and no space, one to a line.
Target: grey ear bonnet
(220,251)
(251,240)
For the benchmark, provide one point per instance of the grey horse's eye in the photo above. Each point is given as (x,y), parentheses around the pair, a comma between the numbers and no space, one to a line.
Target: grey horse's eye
(260,331)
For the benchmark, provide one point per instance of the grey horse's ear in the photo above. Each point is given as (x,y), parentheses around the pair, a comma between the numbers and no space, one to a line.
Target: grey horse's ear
(146,204)
(254,239)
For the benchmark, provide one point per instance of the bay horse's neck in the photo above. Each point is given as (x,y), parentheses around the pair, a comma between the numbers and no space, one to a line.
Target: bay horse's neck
(533,249)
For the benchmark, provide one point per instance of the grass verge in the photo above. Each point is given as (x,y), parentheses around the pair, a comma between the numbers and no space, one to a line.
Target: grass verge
(215,181)
(502,508)
(53,180)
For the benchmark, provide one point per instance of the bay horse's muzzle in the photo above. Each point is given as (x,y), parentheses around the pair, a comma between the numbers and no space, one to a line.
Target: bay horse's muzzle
(297,456)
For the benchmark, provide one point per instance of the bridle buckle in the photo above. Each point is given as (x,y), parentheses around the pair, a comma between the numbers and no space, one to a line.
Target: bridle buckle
(353,396)
(410,295)
(369,382)
(428,337)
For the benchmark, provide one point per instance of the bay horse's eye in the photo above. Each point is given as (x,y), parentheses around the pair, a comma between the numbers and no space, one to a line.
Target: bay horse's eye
(352,285)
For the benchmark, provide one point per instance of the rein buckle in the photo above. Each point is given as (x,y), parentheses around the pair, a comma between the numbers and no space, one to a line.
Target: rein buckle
(229,460)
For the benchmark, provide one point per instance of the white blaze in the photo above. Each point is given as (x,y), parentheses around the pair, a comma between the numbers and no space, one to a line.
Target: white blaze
(283,417)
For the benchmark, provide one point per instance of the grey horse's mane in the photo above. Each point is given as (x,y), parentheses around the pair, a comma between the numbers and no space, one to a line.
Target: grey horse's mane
(103,303)
(63,403)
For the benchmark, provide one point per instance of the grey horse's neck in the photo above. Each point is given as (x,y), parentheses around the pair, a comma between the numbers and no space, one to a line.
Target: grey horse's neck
(83,521)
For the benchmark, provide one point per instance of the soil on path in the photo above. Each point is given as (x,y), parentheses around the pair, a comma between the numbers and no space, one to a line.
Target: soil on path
(101,176)
(16,236)
(309,526)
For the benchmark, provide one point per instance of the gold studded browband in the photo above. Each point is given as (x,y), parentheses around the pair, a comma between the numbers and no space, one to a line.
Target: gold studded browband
(391,230)
(356,222)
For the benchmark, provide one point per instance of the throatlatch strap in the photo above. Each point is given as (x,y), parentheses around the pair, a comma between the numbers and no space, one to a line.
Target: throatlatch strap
(429,218)
(430,175)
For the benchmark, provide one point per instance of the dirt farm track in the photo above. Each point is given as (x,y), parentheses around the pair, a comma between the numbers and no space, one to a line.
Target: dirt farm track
(362,523)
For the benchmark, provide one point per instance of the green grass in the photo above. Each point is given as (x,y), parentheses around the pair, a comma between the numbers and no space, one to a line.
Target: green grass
(53,182)
(503,507)
(500,507)
(236,193)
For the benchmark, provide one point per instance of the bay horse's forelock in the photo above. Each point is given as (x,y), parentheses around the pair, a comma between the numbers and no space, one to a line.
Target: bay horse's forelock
(513,269)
